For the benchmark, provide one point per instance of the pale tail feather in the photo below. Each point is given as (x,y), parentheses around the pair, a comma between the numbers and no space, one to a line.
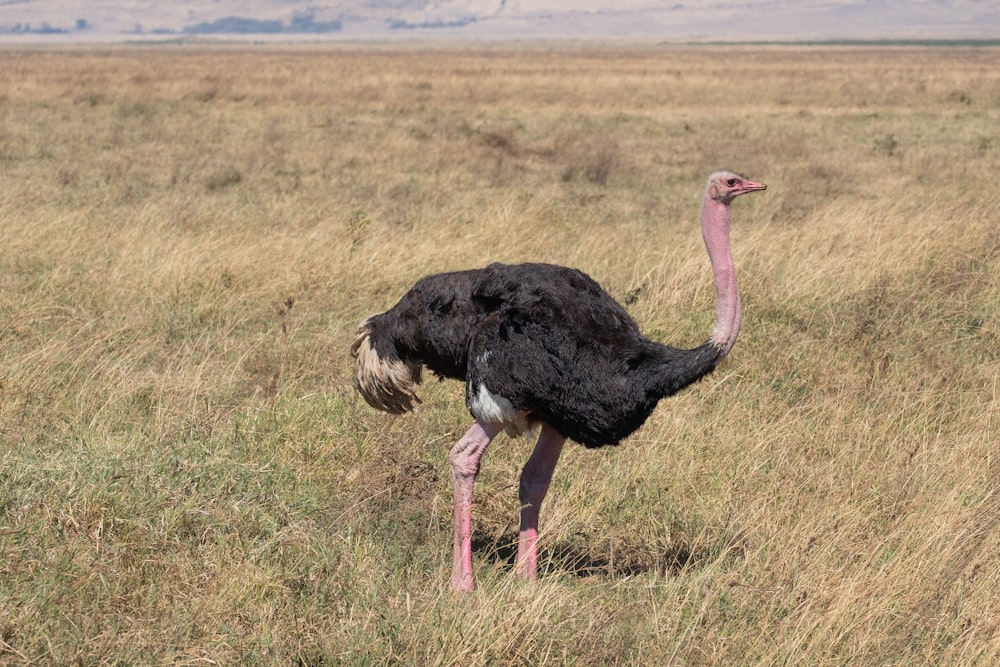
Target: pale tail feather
(386,383)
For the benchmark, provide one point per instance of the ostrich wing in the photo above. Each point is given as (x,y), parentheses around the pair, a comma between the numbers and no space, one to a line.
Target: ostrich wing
(558,346)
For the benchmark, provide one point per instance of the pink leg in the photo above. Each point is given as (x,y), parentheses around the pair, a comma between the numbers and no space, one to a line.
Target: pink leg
(464,460)
(535,479)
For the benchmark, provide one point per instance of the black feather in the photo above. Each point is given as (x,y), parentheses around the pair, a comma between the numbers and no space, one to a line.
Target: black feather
(547,338)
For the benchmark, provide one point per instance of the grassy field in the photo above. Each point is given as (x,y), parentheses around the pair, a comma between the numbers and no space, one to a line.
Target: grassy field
(188,237)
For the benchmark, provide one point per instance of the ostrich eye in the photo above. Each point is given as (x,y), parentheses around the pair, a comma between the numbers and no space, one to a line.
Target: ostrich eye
(731,182)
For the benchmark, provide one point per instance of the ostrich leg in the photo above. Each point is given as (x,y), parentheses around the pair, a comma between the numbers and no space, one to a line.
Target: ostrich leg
(535,479)
(464,459)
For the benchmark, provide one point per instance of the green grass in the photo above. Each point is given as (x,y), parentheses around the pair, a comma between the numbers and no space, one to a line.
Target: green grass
(189,237)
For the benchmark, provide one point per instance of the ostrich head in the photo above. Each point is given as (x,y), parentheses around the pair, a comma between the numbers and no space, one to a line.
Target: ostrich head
(724,186)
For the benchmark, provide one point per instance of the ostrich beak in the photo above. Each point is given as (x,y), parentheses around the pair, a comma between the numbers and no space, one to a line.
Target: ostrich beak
(750,186)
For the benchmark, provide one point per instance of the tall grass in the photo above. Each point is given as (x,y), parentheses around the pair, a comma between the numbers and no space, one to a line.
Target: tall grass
(189,236)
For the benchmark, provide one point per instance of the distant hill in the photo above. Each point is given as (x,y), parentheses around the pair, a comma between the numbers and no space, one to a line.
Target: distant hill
(680,20)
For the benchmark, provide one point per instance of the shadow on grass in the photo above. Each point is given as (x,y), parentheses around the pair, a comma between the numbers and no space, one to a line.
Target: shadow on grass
(580,559)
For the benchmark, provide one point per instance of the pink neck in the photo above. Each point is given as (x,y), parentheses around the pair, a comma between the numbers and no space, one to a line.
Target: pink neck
(715,231)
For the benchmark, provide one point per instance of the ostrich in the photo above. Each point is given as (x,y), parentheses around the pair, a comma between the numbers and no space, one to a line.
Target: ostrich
(539,346)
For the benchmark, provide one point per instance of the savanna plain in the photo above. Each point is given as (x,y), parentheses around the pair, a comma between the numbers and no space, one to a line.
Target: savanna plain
(189,236)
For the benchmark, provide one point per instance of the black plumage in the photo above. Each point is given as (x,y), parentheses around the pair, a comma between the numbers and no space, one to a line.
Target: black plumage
(548,339)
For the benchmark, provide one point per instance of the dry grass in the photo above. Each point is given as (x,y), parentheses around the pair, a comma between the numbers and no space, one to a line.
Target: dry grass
(189,236)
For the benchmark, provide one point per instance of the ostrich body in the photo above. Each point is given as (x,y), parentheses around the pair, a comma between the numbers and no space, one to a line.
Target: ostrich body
(538,344)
